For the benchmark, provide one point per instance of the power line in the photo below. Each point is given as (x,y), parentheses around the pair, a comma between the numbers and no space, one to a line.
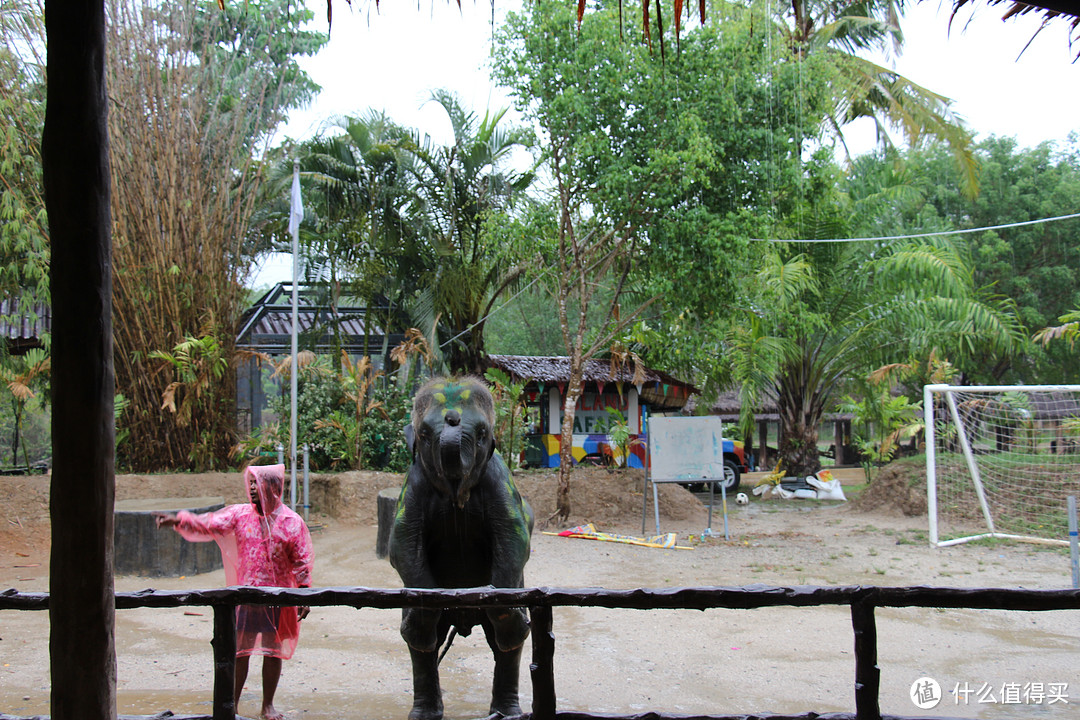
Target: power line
(926,234)
(469,329)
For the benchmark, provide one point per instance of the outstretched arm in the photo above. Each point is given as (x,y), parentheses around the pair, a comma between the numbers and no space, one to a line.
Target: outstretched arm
(166,520)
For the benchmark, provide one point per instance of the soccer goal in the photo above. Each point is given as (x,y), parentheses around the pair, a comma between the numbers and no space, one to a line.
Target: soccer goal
(1001,461)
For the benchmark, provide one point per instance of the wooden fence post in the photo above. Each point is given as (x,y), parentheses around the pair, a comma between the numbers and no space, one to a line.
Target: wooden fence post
(867,672)
(542,666)
(224,644)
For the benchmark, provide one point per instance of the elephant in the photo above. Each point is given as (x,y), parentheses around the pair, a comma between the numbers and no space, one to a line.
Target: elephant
(460,522)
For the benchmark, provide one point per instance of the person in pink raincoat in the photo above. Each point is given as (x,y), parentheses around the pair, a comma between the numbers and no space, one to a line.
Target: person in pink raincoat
(263,543)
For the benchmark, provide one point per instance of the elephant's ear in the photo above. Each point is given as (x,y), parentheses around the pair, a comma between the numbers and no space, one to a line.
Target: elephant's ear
(410,437)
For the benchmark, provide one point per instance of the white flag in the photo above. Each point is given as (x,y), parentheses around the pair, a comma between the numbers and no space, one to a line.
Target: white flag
(296,204)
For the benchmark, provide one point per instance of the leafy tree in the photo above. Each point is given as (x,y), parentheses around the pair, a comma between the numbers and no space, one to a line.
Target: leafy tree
(200,367)
(509,414)
(354,239)
(20,376)
(840,32)
(198,93)
(652,166)
(1036,265)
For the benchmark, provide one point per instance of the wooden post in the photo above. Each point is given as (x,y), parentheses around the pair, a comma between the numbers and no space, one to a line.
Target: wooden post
(542,666)
(867,672)
(75,163)
(838,443)
(763,445)
(224,644)
(386,508)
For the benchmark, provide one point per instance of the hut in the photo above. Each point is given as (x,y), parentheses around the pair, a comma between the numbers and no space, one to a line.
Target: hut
(604,386)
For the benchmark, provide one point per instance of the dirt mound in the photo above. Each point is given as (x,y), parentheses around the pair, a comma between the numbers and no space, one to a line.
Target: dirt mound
(611,499)
(898,488)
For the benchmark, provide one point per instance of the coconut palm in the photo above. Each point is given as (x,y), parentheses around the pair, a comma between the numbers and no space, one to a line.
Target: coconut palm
(842,32)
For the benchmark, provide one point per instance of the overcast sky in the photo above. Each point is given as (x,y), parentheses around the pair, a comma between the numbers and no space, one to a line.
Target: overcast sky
(393,59)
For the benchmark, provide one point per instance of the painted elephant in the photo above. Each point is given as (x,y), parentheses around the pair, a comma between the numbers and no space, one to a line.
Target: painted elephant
(460,523)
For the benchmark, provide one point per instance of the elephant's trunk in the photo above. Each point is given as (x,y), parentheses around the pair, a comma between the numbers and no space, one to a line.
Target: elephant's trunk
(457,453)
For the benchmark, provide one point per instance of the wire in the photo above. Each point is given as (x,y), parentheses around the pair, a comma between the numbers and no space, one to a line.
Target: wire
(469,329)
(926,234)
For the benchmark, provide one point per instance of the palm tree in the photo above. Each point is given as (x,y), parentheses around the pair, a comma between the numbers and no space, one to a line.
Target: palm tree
(354,235)
(865,89)
(815,318)
(457,188)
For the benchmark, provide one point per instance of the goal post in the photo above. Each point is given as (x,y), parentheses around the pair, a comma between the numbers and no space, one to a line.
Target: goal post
(1001,461)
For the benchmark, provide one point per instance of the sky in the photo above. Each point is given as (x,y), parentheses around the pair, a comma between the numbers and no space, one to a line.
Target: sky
(391,60)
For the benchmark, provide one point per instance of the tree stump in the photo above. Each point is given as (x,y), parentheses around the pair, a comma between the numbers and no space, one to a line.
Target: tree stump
(140,548)
(387,508)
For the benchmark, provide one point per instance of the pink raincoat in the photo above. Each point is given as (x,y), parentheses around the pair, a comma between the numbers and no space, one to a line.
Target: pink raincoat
(272,549)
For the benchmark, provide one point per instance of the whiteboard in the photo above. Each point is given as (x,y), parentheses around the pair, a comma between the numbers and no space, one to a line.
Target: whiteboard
(686,448)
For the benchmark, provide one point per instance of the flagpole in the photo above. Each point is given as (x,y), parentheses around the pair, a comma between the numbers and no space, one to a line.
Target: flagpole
(296,214)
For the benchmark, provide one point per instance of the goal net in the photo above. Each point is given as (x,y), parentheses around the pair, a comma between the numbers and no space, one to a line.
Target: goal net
(1001,461)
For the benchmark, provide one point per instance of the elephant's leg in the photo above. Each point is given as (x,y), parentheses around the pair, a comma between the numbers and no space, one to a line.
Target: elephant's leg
(420,629)
(504,683)
(427,695)
(506,631)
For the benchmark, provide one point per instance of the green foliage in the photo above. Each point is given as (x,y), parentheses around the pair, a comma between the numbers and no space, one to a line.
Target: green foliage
(384,431)
(343,429)
(24,420)
(24,238)
(319,396)
(618,433)
(510,412)
(1037,266)
(457,188)
(252,46)
(881,420)
(196,369)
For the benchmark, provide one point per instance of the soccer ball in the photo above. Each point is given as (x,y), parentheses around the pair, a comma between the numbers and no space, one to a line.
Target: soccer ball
(741,499)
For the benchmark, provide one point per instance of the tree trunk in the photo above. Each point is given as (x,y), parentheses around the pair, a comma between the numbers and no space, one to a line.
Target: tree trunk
(82,654)
(800,409)
(566,442)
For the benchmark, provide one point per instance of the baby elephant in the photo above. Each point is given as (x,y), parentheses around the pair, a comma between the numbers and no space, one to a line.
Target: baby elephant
(460,523)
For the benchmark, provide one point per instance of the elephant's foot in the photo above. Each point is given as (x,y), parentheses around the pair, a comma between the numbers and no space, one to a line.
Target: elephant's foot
(504,685)
(427,694)
(426,711)
(512,709)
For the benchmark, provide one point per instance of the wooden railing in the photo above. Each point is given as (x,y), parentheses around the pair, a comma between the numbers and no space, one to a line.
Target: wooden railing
(540,601)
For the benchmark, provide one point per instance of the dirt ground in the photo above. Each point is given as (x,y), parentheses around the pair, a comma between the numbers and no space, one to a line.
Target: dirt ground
(785,660)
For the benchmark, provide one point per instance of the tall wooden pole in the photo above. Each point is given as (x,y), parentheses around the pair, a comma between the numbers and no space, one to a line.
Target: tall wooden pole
(76,177)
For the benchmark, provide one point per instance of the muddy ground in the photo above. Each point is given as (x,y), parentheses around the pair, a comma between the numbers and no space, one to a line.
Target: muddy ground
(352,663)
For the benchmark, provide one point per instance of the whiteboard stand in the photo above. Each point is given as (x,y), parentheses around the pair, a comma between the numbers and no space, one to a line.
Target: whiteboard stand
(682,450)
(708,531)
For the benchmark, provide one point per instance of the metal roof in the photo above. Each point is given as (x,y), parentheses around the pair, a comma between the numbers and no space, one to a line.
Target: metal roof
(21,329)
(267,325)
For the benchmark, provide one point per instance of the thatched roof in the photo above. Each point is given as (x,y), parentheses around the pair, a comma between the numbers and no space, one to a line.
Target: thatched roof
(658,389)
